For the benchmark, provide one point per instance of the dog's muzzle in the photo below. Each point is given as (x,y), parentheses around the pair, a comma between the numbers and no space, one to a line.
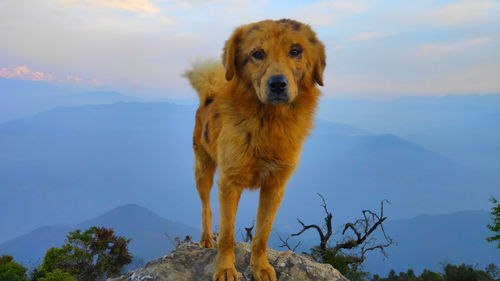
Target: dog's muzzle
(277,89)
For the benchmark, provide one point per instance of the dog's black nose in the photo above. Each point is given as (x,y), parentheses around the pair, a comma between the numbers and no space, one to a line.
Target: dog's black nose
(277,84)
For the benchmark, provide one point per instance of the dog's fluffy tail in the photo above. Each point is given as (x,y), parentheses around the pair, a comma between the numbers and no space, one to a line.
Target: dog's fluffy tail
(203,77)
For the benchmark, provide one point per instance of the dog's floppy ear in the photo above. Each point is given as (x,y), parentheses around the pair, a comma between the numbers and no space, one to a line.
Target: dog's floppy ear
(319,63)
(229,56)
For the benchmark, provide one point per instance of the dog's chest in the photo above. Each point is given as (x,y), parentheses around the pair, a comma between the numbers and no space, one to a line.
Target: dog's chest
(271,154)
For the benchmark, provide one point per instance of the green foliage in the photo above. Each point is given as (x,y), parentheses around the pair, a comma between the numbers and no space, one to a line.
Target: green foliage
(428,275)
(11,270)
(495,226)
(346,264)
(57,275)
(94,254)
(451,273)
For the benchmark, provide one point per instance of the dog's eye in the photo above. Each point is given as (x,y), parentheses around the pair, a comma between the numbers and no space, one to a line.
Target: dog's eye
(295,52)
(258,55)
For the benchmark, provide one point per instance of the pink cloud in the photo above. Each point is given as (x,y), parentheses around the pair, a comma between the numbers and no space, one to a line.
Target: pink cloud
(24,73)
(73,78)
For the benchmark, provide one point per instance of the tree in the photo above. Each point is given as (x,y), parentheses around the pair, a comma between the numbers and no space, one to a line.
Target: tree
(348,263)
(428,275)
(451,273)
(495,226)
(57,275)
(90,255)
(11,270)
(465,272)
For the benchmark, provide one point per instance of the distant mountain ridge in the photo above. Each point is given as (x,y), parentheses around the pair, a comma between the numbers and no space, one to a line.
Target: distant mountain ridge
(423,242)
(464,128)
(426,241)
(21,98)
(142,151)
(146,229)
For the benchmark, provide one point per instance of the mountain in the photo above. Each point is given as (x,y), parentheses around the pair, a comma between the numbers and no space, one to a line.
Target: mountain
(70,163)
(21,98)
(425,241)
(30,248)
(463,128)
(146,229)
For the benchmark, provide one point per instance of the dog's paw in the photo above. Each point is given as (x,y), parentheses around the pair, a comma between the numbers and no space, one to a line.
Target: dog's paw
(264,273)
(207,241)
(226,274)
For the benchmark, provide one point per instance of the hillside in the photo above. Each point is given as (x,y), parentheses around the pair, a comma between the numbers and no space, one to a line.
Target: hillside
(426,241)
(464,128)
(142,152)
(21,98)
(422,242)
(146,229)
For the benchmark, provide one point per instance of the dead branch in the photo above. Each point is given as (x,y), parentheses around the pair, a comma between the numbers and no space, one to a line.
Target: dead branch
(248,233)
(324,237)
(285,243)
(171,240)
(362,229)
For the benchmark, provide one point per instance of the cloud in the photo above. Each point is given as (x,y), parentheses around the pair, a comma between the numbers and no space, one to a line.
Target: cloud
(367,36)
(72,78)
(327,13)
(95,82)
(24,73)
(466,11)
(441,50)
(130,5)
(481,78)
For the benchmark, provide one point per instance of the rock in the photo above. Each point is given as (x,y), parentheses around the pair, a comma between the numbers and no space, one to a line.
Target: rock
(190,262)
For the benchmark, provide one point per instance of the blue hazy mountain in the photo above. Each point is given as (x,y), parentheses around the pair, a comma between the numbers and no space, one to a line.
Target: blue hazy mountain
(427,241)
(146,229)
(424,241)
(71,163)
(21,98)
(30,248)
(464,128)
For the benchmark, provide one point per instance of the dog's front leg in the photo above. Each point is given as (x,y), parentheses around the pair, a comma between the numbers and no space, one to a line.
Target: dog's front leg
(269,202)
(229,196)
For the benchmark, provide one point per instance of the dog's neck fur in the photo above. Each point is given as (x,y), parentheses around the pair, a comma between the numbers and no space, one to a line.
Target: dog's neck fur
(292,121)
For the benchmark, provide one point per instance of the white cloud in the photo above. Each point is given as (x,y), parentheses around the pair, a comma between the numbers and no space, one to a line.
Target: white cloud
(481,78)
(367,36)
(466,11)
(441,50)
(24,73)
(329,12)
(130,5)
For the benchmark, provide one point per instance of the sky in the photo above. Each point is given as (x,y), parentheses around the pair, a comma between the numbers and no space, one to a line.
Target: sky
(375,48)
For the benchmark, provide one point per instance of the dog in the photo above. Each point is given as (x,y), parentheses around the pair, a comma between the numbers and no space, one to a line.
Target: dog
(256,109)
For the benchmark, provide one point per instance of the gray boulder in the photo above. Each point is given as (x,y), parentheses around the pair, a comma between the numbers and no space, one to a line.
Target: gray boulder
(190,262)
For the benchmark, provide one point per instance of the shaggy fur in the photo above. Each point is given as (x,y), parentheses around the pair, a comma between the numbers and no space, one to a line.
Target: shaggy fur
(254,141)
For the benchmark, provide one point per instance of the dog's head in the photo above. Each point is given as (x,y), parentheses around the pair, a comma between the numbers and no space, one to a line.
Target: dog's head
(275,58)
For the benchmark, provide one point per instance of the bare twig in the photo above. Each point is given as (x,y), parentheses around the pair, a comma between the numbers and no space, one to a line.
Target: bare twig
(361,230)
(171,240)
(285,243)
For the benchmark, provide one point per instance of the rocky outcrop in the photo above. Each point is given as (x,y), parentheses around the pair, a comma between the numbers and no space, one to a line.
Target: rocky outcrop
(190,262)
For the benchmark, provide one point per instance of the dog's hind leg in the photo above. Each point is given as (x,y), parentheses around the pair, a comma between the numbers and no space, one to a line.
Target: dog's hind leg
(204,169)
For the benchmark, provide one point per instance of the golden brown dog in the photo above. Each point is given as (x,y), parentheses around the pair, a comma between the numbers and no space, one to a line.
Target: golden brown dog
(255,111)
